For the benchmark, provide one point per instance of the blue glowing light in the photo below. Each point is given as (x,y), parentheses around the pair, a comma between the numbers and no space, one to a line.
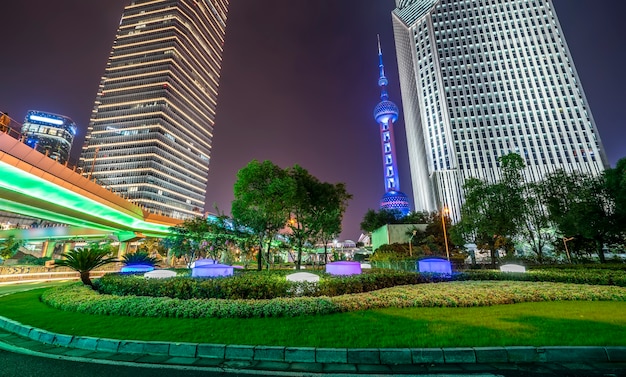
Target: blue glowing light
(38,118)
(137,268)
(396,200)
(435,265)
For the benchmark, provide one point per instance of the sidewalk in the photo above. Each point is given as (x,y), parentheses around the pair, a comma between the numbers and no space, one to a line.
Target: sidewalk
(287,361)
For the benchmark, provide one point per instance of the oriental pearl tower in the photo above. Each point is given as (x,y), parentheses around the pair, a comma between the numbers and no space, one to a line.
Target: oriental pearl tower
(386,113)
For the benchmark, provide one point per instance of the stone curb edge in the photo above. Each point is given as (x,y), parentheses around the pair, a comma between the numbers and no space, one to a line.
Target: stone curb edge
(375,356)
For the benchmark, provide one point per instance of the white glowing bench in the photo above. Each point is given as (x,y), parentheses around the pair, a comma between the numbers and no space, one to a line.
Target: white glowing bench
(303,276)
(160,274)
(512,268)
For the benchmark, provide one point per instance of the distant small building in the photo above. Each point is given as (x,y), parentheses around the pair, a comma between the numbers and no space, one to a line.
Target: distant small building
(50,134)
(393,233)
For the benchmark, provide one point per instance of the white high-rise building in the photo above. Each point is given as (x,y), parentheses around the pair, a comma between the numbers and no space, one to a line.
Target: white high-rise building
(484,78)
(149,137)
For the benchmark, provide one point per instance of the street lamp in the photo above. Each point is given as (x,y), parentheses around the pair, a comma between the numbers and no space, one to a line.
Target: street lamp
(569,259)
(411,242)
(445,210)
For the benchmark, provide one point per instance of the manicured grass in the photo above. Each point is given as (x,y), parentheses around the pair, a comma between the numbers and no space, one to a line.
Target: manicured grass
(563,323)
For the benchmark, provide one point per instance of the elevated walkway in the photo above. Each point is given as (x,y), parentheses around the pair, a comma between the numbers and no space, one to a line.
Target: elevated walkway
(34,185)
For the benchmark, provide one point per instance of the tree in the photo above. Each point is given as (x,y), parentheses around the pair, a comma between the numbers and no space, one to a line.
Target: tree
(9,246)
(306,197)
(262,192)
(84,260)
(536,228)
(615,181)
(374,220)
(331,205)
(139,257)
(316,212)
(188,240)
(581,206)
(491,214)
(430,240)
(154,247)
(220,236)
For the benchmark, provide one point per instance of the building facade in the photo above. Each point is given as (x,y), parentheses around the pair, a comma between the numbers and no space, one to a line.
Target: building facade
(484,78)
(149,137)
(385,114)
(50,134)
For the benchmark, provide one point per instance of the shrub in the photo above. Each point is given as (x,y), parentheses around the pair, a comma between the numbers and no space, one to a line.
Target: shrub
(600,276)
(452,294)
(257,285)
(139,257)
(33,260)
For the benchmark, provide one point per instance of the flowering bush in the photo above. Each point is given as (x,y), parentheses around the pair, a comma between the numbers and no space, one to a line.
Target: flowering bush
(452,294)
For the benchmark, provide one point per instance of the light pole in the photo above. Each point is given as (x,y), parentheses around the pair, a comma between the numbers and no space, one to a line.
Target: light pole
(411,242)
(444,210)
(569,259)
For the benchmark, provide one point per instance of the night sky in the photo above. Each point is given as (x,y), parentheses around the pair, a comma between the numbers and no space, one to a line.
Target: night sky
(298,85)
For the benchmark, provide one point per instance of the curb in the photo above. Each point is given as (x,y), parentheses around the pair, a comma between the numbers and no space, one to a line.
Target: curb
(370,356)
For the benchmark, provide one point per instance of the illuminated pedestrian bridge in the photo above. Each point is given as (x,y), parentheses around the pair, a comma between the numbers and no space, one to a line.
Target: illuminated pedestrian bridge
(33,185)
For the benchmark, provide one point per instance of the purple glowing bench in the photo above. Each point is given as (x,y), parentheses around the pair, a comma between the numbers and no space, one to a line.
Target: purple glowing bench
(343,268)
(211,270)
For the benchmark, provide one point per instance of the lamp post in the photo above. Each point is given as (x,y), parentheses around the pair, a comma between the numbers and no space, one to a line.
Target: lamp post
(411,242)
(569,259)
(444,210)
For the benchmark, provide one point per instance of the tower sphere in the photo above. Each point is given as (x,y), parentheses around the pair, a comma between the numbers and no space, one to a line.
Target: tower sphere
(384,111)
(396,200)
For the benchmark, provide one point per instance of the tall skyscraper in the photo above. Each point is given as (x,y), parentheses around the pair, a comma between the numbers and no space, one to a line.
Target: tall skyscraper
(50,134)
(386,113)
(149,137)
(484,78)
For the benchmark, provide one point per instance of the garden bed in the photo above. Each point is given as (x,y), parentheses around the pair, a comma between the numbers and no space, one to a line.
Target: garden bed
(82,299)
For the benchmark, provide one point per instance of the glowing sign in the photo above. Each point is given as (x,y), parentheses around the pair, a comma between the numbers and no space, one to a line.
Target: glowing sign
(435,265)
(38,118)
(343,268)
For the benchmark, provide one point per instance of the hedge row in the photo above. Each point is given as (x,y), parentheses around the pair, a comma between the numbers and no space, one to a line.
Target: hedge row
(558,275)
(269,285)
(79,298)
(257,285)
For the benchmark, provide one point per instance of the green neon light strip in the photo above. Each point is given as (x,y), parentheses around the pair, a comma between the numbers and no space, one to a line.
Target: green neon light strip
(37,187)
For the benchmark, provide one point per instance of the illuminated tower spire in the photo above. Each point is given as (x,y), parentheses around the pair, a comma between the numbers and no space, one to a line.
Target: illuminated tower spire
(386,113)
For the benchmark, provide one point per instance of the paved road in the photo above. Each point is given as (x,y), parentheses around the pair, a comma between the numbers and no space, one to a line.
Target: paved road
(6,289)
(24,365)
(18,365)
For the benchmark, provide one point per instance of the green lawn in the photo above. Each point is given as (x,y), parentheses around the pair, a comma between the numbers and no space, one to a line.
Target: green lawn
(565,323)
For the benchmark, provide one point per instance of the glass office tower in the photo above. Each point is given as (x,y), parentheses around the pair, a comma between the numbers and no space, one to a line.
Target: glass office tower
(50,134)
(149,137)
(484,78)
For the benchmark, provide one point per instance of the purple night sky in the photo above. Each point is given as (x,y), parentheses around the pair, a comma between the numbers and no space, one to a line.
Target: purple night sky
(298,85)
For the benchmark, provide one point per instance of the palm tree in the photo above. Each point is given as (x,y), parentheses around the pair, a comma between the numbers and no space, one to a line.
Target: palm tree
(85,259)
(9,246)
(139,257)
